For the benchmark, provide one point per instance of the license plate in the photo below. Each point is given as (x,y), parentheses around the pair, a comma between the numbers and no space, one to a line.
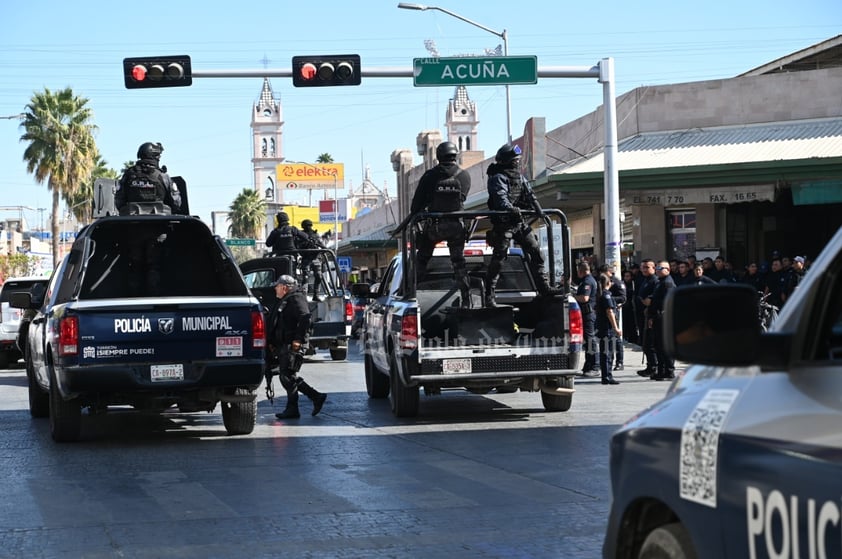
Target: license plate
(166,372)
(456,366)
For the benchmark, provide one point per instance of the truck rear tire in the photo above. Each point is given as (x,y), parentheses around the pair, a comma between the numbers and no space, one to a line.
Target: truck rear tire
(376,383)
(239,417)
(558,402)
(65,415)
(404,399)
(339,353)
(39,401)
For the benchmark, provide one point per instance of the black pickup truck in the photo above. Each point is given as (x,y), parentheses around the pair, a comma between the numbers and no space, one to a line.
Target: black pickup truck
(416,334)
(195,340)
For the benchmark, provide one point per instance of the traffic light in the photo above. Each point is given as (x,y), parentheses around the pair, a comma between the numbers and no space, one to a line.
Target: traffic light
(322,70)
(157,71)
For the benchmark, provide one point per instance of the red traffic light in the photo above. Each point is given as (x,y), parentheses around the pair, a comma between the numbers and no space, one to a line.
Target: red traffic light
(326,70)
(157,71)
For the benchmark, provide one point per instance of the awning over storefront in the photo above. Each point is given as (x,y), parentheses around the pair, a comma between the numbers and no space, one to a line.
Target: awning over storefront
(377,238)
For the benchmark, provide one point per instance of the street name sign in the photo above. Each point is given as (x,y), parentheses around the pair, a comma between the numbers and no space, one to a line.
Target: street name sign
(240,242)
(474,70)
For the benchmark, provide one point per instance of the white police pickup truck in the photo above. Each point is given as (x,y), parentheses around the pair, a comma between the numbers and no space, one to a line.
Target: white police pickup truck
(743,457)
(416,334)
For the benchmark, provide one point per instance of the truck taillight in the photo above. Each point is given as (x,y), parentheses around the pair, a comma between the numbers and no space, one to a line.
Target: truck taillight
(68,336)
(576,326)
(349,310)
(409,332)
(258,330)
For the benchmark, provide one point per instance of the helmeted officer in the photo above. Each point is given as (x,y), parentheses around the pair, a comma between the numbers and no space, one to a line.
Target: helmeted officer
(310,261)
(285,238)
(509,191)
(146,182)
(444,189)
(289,330)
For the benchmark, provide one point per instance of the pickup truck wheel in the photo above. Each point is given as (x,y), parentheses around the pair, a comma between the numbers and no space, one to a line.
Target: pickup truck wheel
(65,415)
(239,417)
(558,402)
(339,353)
(39,401)
(404,399)
(668,542)
(376,384)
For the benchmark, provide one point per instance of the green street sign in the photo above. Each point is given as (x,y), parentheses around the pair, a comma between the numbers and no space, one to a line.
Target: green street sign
(475,70)
(240,242)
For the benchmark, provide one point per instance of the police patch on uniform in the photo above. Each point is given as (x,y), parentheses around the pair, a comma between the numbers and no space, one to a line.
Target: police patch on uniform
(700,444)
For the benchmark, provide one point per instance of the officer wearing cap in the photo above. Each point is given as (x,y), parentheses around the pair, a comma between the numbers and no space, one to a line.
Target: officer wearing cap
(443,189)
(509,191)
(289,328)
(146,183)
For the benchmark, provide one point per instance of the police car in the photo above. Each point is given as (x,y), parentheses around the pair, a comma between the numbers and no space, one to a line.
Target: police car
(743,457)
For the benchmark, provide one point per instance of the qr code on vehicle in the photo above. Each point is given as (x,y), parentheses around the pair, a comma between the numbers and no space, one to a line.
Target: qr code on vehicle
(700,444)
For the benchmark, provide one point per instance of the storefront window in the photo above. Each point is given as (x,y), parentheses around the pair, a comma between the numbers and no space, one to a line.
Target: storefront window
(682,232)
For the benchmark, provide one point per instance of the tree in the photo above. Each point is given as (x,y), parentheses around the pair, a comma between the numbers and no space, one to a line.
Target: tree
(324,158)
(61,150)
(76,201)
(248,214)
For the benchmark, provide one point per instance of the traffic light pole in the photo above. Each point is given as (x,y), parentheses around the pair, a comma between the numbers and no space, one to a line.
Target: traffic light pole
(603,71)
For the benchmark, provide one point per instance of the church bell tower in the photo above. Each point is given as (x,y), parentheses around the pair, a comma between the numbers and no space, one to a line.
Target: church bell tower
(267,149)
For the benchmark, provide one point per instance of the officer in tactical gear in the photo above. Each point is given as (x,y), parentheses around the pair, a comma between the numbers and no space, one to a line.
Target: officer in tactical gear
(310,261)
(147,183)
(289,327)
(285,238)
(444,189)
(510,192)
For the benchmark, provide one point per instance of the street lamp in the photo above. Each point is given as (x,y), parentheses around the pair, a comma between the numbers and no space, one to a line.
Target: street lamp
(502,34)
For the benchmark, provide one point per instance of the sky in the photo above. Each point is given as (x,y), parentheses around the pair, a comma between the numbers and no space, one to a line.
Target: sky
(205,128)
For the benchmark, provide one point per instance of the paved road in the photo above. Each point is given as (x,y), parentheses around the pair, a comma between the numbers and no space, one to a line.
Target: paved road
(472,476)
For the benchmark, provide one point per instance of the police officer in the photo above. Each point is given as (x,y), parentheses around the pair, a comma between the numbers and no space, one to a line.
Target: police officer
(586,296)
(146,182)
(642,301)
(285,238)
(665,363)
(289,327)
(509,191)
(444,189)
(310,261)
(617,289)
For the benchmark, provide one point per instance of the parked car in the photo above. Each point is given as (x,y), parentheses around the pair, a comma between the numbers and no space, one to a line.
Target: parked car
(358,305)
(741,458)
(10,317)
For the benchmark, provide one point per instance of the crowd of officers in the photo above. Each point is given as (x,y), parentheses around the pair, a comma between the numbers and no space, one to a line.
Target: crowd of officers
(641,292)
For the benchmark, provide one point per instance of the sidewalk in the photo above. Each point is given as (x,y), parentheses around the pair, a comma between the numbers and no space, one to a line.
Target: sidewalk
(633,359)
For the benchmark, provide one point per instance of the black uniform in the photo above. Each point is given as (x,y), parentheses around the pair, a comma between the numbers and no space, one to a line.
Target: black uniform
(290,322)
(666,364)
(644,291)
(605,333)
(285,238)
(509,191)
(619,296)
(588,287)
(310,261)
(442,189)
(146,183)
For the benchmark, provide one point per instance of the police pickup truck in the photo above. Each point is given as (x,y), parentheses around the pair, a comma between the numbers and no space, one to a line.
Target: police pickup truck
(743,457)
(416,333)
(329,308)
(147,311)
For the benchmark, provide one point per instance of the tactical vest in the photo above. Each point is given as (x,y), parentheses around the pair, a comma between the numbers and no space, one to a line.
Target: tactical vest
(515,185)
(447,195)
(285,239)
(144,183)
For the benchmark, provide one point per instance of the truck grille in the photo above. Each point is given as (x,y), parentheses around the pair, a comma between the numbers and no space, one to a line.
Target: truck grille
(513,364)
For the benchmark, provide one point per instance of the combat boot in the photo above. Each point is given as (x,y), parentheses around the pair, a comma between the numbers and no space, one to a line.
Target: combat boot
(291,409)
(315,396)
(491,296)
(464,282)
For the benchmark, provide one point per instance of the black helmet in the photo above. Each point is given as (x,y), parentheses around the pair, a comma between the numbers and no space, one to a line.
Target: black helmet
(281,218)
(150,151)
(446,151)
(507,153)
(306,224)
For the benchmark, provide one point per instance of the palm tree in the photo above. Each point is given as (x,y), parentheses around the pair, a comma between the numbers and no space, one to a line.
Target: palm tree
(248,214)
(324,158)
(85,193)
(61,150)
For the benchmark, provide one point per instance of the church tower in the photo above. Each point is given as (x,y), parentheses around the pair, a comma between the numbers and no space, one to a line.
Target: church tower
(462,120)
(267,150)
